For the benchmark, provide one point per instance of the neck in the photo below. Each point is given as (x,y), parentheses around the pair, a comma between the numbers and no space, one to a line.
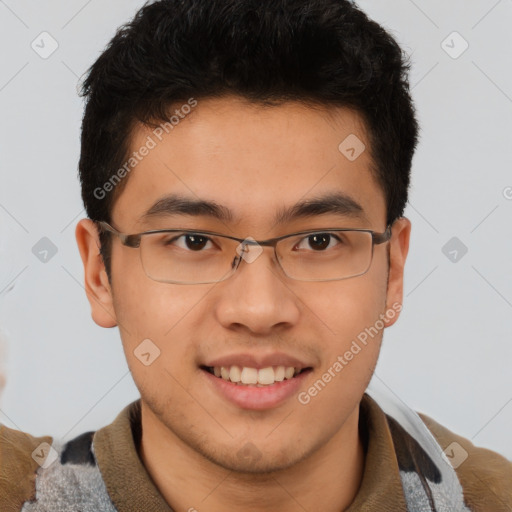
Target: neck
(327,480)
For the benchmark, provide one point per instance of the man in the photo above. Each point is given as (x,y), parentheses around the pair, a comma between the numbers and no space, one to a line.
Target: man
(245,167)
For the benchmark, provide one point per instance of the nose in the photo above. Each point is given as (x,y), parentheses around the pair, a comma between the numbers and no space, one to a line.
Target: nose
(258,296)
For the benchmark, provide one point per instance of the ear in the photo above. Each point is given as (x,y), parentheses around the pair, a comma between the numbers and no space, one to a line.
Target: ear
(97,286)
(398,249)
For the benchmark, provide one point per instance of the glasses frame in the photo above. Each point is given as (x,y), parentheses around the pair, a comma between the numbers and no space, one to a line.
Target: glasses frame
(133,240)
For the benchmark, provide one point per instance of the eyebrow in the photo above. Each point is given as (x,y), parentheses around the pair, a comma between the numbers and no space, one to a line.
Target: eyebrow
(332,203)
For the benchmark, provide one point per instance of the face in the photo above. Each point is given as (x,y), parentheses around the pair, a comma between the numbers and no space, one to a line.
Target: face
(255,161)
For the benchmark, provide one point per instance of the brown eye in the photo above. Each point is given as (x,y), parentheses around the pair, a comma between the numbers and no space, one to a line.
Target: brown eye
(318,241)
(194,242)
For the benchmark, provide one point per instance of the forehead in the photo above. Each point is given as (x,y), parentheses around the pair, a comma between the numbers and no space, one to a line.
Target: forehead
(255,162)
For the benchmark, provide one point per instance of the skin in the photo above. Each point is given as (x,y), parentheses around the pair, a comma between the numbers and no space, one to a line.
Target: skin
(254,160)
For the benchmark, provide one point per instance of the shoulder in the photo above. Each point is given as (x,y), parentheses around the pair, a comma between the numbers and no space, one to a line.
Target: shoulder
(21,455)
(485,476)
(41,473)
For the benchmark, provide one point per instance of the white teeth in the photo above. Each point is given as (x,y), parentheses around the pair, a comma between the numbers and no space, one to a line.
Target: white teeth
(235,374)
(266,375)
(249,376)
(252,376)
(288,373)
(279,374)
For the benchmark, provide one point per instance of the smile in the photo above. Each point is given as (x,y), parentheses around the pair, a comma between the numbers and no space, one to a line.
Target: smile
(245,376)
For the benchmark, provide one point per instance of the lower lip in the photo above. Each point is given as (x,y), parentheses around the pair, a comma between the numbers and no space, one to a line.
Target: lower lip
(257,398)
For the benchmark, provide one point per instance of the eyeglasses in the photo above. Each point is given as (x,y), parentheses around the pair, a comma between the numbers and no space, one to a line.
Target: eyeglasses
(199,257)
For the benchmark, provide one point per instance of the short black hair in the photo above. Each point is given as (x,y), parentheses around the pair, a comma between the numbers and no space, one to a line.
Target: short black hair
(326,52)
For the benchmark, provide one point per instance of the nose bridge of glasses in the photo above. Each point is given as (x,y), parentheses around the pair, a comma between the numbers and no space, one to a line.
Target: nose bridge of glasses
(250,249)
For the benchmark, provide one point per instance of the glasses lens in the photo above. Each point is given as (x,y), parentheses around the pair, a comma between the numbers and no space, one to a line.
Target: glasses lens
(327,255)
(185,257)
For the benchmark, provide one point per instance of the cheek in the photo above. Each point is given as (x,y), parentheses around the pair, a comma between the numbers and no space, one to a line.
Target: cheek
(156,344)
(161,313)
(350,319)
(347,307)
(349,313)
(146,308)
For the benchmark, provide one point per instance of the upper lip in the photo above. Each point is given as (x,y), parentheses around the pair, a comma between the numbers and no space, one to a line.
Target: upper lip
(258,361)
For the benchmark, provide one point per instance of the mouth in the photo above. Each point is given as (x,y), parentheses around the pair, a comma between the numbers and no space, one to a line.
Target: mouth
(253,377)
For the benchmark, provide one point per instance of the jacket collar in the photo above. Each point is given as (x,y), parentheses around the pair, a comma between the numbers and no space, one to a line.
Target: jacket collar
(131,488)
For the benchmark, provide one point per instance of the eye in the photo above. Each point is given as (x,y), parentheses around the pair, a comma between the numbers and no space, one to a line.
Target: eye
(189,241)
(319,241)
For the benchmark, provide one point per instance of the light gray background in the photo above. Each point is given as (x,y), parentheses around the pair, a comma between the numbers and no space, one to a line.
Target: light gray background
(448,356)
